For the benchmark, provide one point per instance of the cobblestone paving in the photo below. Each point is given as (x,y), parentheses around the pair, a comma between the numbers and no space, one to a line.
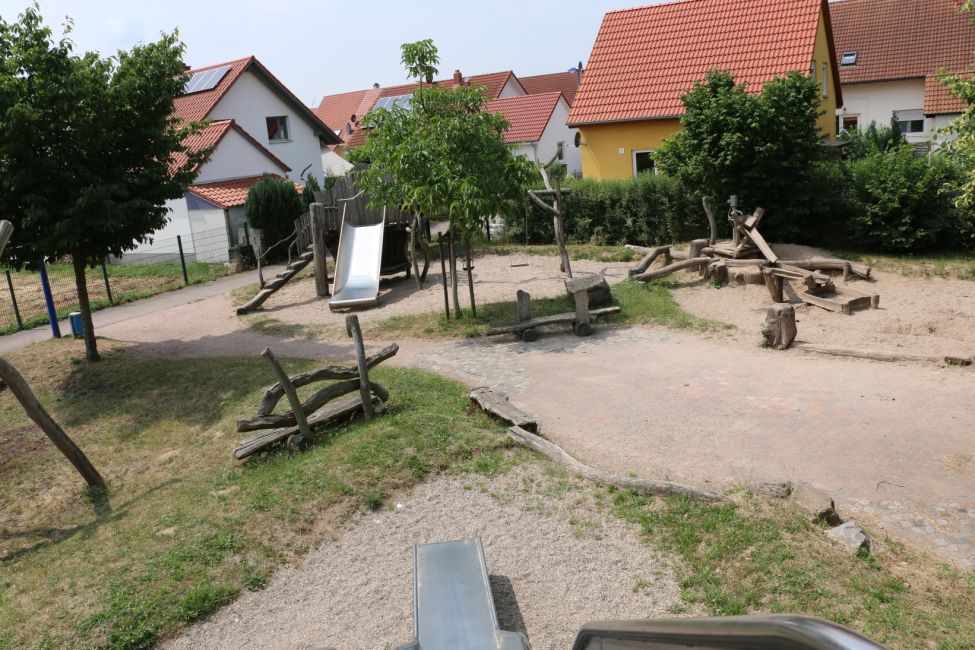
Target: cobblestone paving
(894,444)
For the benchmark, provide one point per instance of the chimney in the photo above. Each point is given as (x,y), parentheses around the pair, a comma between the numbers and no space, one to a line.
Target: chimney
(186,68)
(458,77)
(348,128)
(376,85)
(579,73)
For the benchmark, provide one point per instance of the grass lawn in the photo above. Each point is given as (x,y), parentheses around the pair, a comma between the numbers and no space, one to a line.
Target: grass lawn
(960,266)
(185,528)
(128,282)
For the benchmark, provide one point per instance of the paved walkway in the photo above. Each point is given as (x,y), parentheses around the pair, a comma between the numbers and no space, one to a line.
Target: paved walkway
(894,444)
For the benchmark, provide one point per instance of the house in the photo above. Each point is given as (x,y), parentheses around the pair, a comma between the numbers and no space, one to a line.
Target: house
(537,125)
(645,59)
(890,54)
(257,127)
(538,128)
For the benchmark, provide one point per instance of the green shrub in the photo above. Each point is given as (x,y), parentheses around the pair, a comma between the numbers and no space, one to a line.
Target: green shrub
(272,206)
(308,191)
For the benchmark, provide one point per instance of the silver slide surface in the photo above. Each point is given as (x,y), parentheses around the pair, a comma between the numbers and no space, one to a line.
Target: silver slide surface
(357,264)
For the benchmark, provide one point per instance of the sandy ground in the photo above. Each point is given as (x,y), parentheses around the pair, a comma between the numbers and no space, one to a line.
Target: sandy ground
(496,278)
(554,558)
(928,316)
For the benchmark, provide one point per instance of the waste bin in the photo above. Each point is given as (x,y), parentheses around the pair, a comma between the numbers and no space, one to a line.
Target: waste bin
(77,324)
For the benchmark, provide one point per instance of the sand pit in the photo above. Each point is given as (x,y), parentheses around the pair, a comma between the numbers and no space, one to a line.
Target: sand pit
(924,316)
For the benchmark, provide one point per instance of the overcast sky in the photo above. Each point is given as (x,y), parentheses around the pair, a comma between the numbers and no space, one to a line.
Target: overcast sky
(325,47)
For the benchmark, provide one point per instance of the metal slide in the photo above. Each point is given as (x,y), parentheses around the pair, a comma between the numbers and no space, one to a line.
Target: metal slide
(357,263)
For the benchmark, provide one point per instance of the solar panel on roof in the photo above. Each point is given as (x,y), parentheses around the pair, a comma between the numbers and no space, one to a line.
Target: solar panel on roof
(206,79)
(403,101)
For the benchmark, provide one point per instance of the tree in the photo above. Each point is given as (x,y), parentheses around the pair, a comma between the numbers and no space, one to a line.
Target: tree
(441,156)
(757,146)
(85,148)
(272,206)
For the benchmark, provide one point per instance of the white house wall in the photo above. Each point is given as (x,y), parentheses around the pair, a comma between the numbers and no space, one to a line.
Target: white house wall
(557,131)
(877,102)
(236,157)
(334,164)
(512,88)
(250,101)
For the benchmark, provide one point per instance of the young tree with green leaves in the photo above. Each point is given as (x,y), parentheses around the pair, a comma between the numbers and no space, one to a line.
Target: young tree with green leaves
(443,155)
(85,148)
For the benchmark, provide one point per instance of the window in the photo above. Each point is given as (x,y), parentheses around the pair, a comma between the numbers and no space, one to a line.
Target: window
(825,77)
(643,162)
(812,69)
(277,128)
(910,121)
(850,122)
(560,151)
(848,58)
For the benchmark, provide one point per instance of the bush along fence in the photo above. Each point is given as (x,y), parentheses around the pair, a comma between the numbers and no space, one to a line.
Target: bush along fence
(163,265)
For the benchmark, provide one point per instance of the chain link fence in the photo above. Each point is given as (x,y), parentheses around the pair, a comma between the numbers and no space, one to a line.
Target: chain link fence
(163,265)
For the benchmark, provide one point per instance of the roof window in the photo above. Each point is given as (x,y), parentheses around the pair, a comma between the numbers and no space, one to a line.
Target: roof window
(848,58)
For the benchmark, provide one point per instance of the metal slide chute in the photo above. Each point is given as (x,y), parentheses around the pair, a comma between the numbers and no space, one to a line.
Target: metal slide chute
(357,264)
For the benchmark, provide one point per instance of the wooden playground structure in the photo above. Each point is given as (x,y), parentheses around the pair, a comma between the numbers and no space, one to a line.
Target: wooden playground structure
(747,257)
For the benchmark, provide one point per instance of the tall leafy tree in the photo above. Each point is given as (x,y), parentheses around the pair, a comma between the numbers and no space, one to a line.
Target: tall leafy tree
(86,146)
(442,155)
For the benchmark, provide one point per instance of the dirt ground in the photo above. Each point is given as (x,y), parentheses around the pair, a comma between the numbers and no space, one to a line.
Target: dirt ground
(926,316)
(496,278)
(537,530)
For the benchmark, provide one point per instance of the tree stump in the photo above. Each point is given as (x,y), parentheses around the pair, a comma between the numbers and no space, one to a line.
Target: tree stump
(695,247)
(780,326)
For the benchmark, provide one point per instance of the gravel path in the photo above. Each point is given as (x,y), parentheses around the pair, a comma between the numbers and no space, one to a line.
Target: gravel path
(555,559)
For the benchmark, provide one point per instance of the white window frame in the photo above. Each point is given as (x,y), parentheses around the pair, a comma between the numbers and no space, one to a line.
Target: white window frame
(633,158)
(287,128)
(843,118)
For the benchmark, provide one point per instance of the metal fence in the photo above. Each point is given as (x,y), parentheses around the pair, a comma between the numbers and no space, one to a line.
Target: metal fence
(163,265)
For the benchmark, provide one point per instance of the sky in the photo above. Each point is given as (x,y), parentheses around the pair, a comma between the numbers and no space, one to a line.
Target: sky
(326,47)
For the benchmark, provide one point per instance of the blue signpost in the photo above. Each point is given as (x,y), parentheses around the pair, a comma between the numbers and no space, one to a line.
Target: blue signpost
(49,301)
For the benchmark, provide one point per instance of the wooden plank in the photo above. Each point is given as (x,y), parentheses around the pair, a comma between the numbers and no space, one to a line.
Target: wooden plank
(825,303)
(549,320)
(496,403)
(319,250)
(330,414)
(763,246)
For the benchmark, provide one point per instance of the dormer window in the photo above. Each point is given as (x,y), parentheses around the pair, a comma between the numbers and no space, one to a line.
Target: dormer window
(848,58)
(277,128)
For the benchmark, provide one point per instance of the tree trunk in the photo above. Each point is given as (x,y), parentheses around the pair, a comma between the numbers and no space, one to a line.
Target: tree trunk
(65,445)
(91,347)
(470,274)
(453,272)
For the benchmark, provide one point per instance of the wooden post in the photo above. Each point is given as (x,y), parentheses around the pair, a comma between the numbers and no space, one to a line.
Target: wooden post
(414,226)
(470,276)
(443,275)
(780,326)
(26,397)
(583,326)
(453,272)
(352,328)
(712,222)
(289,391)
(524,306)
(320,251)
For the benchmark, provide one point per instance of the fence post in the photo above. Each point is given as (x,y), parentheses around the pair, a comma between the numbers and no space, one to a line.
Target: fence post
(52,313)
(108,287)
(13,301)
(182,259)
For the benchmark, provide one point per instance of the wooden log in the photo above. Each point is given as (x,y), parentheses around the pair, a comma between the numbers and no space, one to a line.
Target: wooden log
(643,250)
(352,328)
(22,392)
(319,250)
(774,283)
(495,402)
(879,355)
(763,246)
(823,264)
(780,326)
(523,306)
(314,402)
(694,262)
(6,230)
(293,269)
(694,248)
(649,257)
(548,320)
(712,222)
(275,392)
(583,323)
(563,459)
(594,284)
(332,413)
(289,390)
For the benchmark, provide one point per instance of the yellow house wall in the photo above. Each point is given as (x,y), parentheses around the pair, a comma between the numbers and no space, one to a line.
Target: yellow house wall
(823,54)
(608,149)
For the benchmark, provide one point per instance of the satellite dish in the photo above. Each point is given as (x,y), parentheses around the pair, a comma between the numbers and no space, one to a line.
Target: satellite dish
(578,139)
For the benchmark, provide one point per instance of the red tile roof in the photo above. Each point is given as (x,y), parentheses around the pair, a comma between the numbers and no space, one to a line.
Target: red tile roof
(230,193)
(528,115)
(938,100)
(212,134)
(900,39)
(564,82)
(337,110)
(645,59)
